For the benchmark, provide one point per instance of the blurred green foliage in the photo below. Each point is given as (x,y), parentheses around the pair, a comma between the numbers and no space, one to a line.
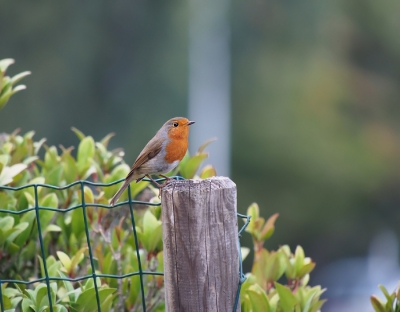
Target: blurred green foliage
(261,291)
(392,303)
(315,119)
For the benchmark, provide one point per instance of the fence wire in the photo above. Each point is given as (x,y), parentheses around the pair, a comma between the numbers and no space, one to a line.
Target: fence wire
(37,208)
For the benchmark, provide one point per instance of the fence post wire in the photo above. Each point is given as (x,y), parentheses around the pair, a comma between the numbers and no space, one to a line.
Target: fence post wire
(201,256)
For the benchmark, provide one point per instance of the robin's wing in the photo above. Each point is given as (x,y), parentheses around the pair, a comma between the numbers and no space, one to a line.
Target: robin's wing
(150,151)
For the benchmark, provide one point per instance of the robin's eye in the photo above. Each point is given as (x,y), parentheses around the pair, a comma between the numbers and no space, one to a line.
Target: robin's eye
(175,124)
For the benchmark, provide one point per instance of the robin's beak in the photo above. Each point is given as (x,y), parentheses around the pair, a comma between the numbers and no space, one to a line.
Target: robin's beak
(190,123)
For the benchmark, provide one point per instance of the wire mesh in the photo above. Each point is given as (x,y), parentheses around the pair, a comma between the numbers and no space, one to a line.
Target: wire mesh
(130,202)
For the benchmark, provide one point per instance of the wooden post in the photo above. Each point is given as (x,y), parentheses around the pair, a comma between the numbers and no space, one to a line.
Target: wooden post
(200,234)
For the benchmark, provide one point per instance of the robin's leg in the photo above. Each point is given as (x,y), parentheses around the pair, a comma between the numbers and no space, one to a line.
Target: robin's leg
(155,182)
(140,179)
(167,179)
(160,186)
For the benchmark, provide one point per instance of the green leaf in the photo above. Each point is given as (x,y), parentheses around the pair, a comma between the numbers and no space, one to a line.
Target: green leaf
(183,162)
(6,86)
(49,201)
(305,269)
(19,77)
(286,299)
(38,145)
(6,302)
(77,224)
(87,299)
(109,265)
(310,298)
(152,231)
(5,95)
(8,173)
(190,167)
(65,260)
(268,267)
(18,229)
(53,228)
(78,133)
(269,227)
(299,259)
(88,195)
(258,299)
(386,293)
(17,89)
(6,223)
(60,308)
(30,160)
(316,306)
(12,248)
(53,266)
(119,172)
(68,286)
(4,160)
(136,188)
(51,157)
(205,144)
(106,139)
(26,305)
(254,212)
(41,298)
(134,289)
(9,292)
(7,202)
(290,271)
(30,219)
(245,252)
(377,304)
(53,177)
(70,168)
(86,152)
(5,63)
(106,301)
(208,172)
(2,238)
(78,257)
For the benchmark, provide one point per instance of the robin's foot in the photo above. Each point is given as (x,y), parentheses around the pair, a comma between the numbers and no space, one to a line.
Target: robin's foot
(160,186)
(167,179)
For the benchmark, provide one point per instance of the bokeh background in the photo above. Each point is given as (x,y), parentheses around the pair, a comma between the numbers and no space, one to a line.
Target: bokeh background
(314,110)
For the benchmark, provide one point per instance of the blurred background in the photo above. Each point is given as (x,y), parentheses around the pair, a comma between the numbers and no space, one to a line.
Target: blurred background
(309,93)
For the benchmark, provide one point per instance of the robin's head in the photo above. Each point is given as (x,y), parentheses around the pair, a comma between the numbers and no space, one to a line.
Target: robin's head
(178,127)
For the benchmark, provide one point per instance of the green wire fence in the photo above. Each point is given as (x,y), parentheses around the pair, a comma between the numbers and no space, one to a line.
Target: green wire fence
(84,205)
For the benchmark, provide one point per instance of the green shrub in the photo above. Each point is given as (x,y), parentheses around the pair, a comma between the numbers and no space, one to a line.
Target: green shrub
(261,291)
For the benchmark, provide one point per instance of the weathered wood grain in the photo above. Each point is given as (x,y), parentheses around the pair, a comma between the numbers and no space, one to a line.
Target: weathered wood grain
(201,260)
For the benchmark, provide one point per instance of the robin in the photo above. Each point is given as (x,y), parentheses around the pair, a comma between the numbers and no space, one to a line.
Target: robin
(162,154)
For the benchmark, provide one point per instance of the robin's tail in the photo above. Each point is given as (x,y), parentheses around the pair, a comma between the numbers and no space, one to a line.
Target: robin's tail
(119,193)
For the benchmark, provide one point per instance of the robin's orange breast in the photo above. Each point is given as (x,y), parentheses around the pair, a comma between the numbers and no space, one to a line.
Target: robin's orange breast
(175,149)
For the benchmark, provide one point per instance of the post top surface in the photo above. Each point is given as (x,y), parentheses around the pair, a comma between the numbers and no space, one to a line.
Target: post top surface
(218,182)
